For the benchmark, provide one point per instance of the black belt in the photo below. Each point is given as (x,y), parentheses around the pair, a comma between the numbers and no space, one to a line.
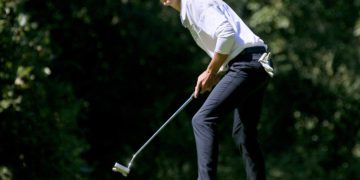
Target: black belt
(246,54)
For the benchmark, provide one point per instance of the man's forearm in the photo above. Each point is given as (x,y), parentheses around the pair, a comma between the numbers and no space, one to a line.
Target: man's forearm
(216,63)
(209,77)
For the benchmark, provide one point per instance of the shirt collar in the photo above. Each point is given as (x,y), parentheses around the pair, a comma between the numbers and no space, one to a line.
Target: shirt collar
(183,11)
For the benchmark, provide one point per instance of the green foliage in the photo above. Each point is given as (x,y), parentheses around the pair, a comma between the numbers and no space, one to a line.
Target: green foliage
(85,83)
(38,128)
(315,96)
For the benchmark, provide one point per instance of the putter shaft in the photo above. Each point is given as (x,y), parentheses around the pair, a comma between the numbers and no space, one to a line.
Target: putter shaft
(126,170)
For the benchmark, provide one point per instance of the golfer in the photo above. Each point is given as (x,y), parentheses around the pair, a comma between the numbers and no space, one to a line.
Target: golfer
(237,75)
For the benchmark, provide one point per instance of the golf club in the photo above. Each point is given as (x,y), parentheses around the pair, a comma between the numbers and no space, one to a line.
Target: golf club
(126,170)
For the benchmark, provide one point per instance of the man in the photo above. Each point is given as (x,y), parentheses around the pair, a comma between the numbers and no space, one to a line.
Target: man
(240,56)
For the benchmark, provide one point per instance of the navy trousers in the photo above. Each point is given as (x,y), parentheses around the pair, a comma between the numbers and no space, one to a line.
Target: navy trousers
(241,90)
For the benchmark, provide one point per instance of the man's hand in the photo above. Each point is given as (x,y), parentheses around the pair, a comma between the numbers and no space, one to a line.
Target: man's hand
(210,76)
(205,82)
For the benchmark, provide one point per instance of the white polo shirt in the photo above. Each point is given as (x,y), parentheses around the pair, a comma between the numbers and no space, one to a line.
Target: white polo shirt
(217,28)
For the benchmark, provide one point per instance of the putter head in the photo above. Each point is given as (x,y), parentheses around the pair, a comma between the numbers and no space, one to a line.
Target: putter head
(121,169)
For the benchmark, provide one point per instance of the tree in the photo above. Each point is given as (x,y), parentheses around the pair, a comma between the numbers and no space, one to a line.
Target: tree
(39,134)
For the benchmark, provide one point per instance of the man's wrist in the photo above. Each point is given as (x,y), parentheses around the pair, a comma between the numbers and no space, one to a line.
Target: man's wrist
(211,72)
(216,62)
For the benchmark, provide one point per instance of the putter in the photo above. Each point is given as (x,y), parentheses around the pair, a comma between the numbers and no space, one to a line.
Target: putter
(126,170)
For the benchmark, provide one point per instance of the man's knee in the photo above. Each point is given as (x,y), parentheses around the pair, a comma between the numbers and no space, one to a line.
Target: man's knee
(245,139)
(197,120)
(238,138)
(243,136)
